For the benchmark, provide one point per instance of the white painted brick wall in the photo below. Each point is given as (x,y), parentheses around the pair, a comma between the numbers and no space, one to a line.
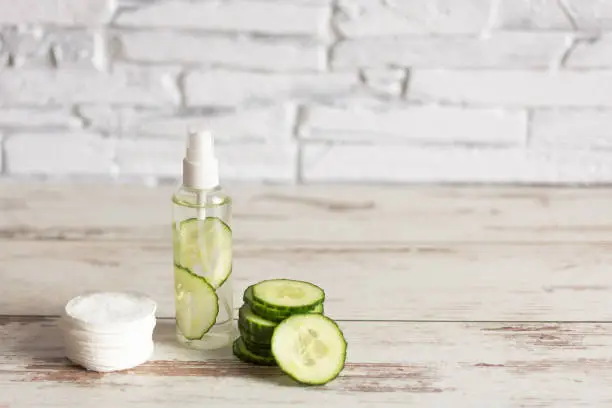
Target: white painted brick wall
(591,15)
(366,18)
(594,53)
(507,50)
(233,88)
(218,51)
(513,88)
(250,162)
(383,81)
(58,12)
(418,124)
(452,164)
(301,91)
(59,154)
(35,47)
(125,85)
(273,124)
(45,118)
(585,129)
(533,15)
(285,18)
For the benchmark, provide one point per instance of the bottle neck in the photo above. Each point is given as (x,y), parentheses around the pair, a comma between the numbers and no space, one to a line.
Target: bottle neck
(200,176)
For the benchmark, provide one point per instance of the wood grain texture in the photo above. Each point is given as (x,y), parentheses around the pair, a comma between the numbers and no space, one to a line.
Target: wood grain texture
(317,214)
(412,364)
(452,281)
(391,253)
(386,256)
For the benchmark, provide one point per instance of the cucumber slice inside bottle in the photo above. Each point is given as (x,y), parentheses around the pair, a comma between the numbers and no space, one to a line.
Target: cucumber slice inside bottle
(310,348)
(205,247)
(197,303)
(288,295)
(240,350)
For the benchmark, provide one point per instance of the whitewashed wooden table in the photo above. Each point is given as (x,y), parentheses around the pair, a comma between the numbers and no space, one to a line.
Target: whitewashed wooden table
(470,297)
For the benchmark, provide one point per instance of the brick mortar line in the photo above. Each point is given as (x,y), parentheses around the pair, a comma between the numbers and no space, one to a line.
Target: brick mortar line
(565,9)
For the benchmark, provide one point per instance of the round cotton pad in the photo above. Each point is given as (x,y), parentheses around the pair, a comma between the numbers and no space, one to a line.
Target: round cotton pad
(111,361)
(109,331)
(101,311)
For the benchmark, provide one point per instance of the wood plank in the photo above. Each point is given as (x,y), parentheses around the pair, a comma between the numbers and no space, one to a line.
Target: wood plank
(412,364)
(320,214)
(465,282)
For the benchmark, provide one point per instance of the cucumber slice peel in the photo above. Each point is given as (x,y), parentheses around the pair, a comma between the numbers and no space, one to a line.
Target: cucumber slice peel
(273,313)
(240,350)
(289,295)
(196,303)
(255,324)
(310,348)
(256,329)
(204,246)
(318,309)
(266,312)
(258,349)
(259,339)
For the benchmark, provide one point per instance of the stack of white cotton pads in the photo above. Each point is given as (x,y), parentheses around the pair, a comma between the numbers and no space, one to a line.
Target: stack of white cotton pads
(109,331)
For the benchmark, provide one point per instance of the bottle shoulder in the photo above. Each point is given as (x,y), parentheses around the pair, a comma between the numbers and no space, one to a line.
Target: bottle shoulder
(188,197)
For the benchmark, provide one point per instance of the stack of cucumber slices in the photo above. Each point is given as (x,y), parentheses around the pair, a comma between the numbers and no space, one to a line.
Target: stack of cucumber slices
(282,323)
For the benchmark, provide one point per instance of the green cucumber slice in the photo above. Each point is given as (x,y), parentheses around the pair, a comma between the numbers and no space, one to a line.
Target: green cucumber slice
(262,350)
(310,348)
(288,295)
(255,324)
(318,309)
(204,246)
(258,339)
(270,313)
(196,302)
(240,350)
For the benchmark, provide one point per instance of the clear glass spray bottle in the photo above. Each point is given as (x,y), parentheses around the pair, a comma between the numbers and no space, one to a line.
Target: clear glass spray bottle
(202,250)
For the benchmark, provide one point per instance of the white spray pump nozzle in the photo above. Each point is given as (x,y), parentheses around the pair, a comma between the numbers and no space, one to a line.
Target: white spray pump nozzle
(199,145)
(200,166)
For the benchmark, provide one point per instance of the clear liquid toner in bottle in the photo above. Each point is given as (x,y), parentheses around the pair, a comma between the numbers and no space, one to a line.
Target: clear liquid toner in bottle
(202,250)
